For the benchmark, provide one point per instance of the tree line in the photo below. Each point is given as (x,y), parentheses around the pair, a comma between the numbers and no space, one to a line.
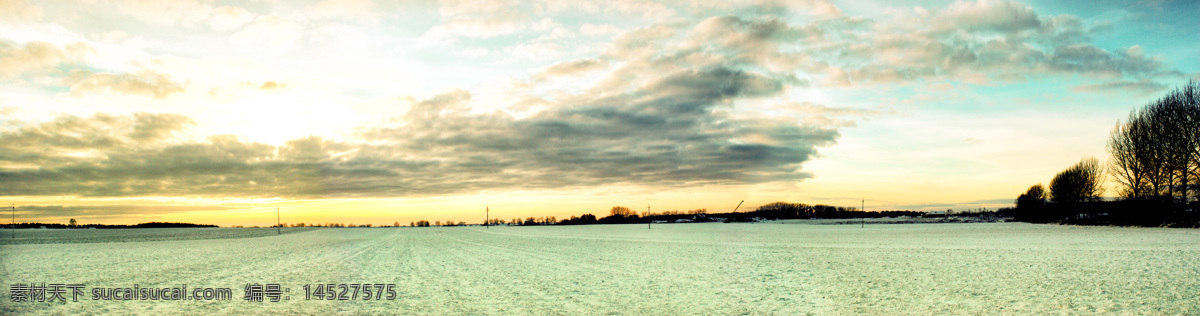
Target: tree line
(74,224)
(1154,159)
(770,211)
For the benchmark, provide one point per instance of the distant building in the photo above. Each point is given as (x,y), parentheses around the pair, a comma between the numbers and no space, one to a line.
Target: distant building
(935,214)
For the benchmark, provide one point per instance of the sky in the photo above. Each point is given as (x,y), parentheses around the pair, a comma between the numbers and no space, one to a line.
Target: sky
(361,111)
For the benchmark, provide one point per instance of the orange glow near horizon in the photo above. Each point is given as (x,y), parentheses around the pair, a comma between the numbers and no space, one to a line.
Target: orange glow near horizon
(466,208)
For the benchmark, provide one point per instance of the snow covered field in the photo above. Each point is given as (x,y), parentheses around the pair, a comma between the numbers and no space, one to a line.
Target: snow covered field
(710,268)
(72,236)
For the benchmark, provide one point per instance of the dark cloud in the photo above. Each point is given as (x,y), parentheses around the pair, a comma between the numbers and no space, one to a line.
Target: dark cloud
(669,131)
(666,132)
(153,127)
(71,139)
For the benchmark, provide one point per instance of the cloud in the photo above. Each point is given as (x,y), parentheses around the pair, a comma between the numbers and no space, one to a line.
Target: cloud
(535,51)
(569,68)
(19,11)
(100,132)
(228,18)
(820,9)
(589,29)
(994,16)
(271,85)
(145,82)
(474,19)
(151,127)
(268,34)
(1140,87)
(104,211)
(668,131)
(979,42)
(753,41)
(188,13)
(474,52)
(639,42)
(39,58)
(645,8)
(822,115)
(357,10)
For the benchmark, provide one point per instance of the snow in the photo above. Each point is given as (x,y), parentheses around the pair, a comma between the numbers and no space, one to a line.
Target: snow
(70,236)
(702,268)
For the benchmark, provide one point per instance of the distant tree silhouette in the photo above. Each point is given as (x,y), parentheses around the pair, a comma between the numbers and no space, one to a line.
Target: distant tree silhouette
(784,210)
(584,219)
(620,214)
(1078,183)
(73,223)
(621,211)
(1034,197)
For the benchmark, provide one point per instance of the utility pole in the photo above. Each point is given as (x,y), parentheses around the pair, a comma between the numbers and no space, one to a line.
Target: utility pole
(647,216)
(14,228)
(863,220)
(487,214)
(278,229)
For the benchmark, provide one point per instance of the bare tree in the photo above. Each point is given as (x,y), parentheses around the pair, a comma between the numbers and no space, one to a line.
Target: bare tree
(1125,163)
(1156,153)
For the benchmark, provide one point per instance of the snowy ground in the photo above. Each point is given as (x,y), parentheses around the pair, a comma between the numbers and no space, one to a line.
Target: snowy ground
(710,268)
(73,236)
